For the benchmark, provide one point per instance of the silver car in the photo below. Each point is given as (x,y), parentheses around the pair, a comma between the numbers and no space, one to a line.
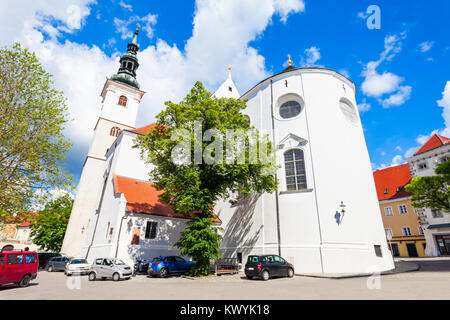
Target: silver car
(109,268)
(77,266)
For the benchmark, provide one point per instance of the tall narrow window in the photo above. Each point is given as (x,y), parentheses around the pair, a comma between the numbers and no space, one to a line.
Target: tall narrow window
(115,132)
(294,163)
(123,101)
(150,231)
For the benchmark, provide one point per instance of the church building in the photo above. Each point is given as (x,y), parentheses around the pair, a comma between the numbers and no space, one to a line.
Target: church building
(324,218)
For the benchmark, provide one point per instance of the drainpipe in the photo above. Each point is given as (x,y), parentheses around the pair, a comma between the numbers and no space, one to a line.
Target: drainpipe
(277,204)
(101,201)
(125,216)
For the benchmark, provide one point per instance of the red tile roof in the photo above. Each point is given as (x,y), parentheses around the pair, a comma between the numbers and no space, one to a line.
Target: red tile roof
(142,197)
(390,179)
(434,142)
(25,224)
(144,130)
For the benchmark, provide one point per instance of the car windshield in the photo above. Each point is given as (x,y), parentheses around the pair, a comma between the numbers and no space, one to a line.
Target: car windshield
(157,259)
(253,259)
(118,262)
(78,261)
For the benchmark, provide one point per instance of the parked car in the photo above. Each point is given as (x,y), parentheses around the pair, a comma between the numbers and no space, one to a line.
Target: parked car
(45,256)
(268,266)
(77,266)
(164,266)
(105,268)
(18,267)
(56,264)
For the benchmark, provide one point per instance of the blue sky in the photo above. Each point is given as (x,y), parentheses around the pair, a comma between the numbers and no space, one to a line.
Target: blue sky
(400,70)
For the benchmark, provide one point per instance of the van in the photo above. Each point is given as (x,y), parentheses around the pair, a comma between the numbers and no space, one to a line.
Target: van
(18,267)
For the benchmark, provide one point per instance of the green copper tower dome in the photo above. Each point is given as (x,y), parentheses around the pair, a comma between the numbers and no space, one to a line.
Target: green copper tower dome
(129,64)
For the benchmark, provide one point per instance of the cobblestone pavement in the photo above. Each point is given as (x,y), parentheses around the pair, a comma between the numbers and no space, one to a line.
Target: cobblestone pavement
(430,282)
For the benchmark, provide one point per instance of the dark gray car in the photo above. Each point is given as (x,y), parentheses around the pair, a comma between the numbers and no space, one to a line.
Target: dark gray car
(56,264)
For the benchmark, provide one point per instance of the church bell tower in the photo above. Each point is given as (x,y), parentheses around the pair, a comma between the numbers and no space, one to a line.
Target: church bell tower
(121,96)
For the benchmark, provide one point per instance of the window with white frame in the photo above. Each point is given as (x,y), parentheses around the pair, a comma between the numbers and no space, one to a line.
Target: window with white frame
(402,209)
(150,230)
(294,163)
(389,233)
(437,213)
(406,231)
(388,211)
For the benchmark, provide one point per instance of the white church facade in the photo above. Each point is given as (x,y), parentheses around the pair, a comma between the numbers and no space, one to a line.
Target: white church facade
(324,218)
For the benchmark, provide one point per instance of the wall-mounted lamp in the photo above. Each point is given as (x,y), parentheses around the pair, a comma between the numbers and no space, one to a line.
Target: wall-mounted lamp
(339,216)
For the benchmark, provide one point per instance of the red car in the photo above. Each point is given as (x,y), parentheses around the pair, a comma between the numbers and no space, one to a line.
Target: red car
(18,267)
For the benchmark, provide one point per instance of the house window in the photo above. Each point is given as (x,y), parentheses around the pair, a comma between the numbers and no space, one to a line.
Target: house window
(230,89)
(422,166)
(150,230)
(294,163)
(437,213)
(402,209)
(378,251)
(123,101)
(444,159)
(239,257)
(110,236)
(388,232)
(388,211)
(290,109)
(136,236)
(399,189)
(406,231)
(115,132)
(386,191)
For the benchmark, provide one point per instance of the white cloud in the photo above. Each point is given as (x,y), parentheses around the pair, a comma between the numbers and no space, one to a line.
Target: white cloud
(126,27)
(379,84)
(398,148)
(126,6)
(312,56)
(445,103)
(397,160)
(364,106)
(399,98)
(220,36)
(426,46)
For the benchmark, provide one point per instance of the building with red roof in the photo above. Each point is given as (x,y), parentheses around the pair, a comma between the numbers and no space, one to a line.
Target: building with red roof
(401,225)
(436,224)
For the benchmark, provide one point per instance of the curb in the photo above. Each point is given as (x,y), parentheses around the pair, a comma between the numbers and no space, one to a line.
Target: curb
(400,267)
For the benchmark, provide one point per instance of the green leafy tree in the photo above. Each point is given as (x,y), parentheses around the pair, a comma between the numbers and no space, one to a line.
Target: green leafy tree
(49,225)
(32,144)
(193,187)
(432,192)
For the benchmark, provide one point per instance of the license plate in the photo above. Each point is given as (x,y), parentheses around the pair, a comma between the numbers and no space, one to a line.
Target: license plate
(250,269)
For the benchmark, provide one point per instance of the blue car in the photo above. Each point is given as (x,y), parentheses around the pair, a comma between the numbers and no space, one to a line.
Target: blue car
(164,266)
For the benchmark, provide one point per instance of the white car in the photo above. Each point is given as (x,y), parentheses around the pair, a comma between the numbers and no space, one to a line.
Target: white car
(77,266)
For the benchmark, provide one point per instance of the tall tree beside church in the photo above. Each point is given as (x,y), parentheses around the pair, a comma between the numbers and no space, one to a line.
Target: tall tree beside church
(32,145)
(432,192)
(193,187)
(49,225)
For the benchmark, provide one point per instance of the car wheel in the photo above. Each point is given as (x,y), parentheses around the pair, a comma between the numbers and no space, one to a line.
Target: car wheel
(163,273)
(25,281)
(290,273)
(116,277)
(265,275)
(50,269)
(92,276)
(249,277)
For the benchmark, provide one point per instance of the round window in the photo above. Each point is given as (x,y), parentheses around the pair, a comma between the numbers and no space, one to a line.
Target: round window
(290,109)
(349,111)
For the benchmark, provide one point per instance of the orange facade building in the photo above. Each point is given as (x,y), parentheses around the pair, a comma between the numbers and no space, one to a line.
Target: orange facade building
(403,231)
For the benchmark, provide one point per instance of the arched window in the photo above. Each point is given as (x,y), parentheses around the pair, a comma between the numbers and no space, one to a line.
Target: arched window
(348,110)
(294,163)
(290,109)
(123,101)
(115,132)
